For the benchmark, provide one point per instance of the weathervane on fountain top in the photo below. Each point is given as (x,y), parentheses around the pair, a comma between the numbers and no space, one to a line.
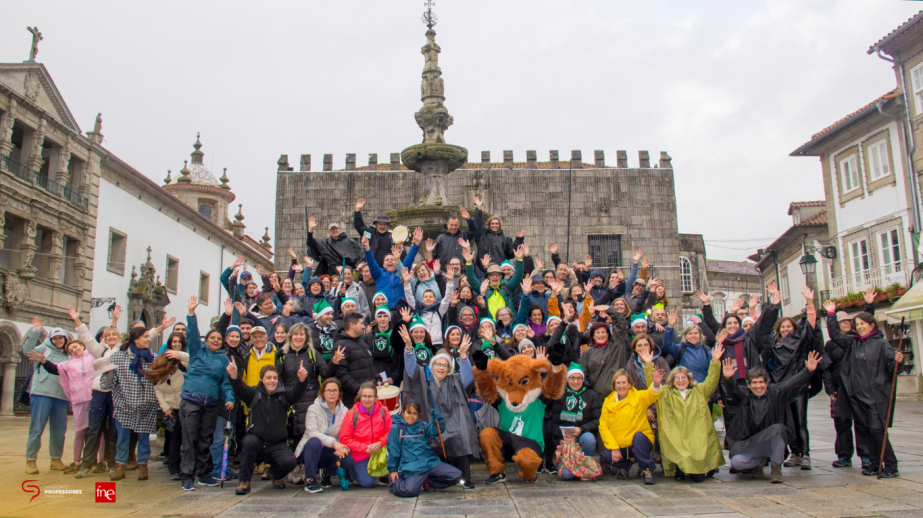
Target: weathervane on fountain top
(429,17)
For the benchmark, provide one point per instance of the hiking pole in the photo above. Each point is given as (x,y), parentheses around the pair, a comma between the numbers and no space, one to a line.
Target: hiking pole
(897,364)
(224,454)
(438,428)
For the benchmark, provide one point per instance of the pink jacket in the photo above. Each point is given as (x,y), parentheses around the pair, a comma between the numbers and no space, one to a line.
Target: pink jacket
(369,428)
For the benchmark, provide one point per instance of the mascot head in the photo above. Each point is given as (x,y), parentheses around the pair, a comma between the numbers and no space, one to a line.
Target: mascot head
(519,380)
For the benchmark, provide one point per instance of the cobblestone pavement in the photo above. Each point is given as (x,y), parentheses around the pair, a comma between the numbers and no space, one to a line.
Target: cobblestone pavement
(822,492)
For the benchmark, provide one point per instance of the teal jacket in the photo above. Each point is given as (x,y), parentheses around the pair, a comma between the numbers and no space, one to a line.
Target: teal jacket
(207,373)
(44,383)
(409,452)
(506,287)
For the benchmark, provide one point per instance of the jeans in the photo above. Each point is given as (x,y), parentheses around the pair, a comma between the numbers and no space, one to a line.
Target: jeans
(641,448)
(42,410)
(360,473)
(440,477)
(217,447)
(198,431)
(122,447)
(101,425)
(587,442)
(317,456)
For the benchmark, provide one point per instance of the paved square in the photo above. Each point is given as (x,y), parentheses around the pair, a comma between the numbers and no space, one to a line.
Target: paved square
(822,492)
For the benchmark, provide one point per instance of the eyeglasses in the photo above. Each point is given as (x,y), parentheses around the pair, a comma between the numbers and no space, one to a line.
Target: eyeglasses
(680,378)
(440,365)
(331,391)
(368,397)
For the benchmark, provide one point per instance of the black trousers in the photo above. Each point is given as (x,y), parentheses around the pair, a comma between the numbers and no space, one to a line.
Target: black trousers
(844,440)
(198,431)
(100,421)
(279,456)
(463,464)
(800,445)
(173,443)
(873,437)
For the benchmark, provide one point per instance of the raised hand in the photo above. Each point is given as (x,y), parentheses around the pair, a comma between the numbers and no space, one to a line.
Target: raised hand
(36,356)
(359,204)
(463,212)
(312,223)
(530,334)
(637,255)
(553,247)
(728,368)
(519,252)
(754,300)
(436,266)
(406,275)
(808,295)
(484,287)
(291,253)
(418,236)
(449,274)
(735,305)
(654,283)
(302,372)
(658,376)
(812,361)
(722,336)
(646,357)
(288,307)
(539,264)
(116,313)
(588,260)
(260,270)
(645,262)
(521,234)
(477,202)
(396,250)
(480,301)
(406,314)
(238,262)
(430,245)
(465,345)
(275,284)
(338,356)
(775,296)
(468,255)
(620,274)
(464,244)
(453,299)
(171,354)
(308,262)
(525,250)
(717,352)
(830,306)
(405,335)
(701,295)
(232,369)
(485,261)
(75,316)
(297,267)
(228,306)
(241,310)
(672,318)
(540,353)
(526,285)
(869,295)
(167,322)
(365,243)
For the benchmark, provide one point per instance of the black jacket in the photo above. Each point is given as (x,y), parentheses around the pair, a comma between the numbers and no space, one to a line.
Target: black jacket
(380,244)
(268,413)
(317,367)
(567,411)
(357,367)
(496,244)
(447,245)
(387,357)
(330,253)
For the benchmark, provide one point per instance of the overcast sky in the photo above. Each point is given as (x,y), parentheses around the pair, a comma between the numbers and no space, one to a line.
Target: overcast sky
(728,88)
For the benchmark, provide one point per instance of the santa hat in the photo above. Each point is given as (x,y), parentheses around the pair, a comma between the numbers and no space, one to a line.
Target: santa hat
(489,321)
(748,319)
(446,335)
(637,318)
(575,368)
(347,300)
(416,322)
(321,307)
(382,309)
(552,317)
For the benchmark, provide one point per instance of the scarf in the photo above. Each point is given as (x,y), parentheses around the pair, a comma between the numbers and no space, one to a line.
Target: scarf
(423,354)
(136,365)
(488,349)
(736,342)
(573,405)
(381,344)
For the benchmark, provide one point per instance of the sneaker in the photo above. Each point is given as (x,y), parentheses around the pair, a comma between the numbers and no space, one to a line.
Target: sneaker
(866,463)
(499,477)
(806,463)
(242,489)
(188,485)
(207,481)
(776,472)
(842,463)
(870,471)
(648,477)
(793,460)
(621,474)
(101,467)
(73,467)
(467,484)
(551,468)
(230,474)
(312,486)
(176,476)
(83,473)
(890,473)
(384,480)
(325,480)
(535,479)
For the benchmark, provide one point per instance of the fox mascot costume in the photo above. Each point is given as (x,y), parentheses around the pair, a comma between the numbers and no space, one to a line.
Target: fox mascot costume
(518,381)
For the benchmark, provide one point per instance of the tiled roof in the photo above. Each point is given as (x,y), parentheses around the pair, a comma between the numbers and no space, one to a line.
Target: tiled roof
(799,204)
(817,219)
(911,22)
(735,267)
(845,120)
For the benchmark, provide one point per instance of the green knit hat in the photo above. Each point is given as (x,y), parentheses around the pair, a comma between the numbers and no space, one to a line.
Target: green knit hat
(416,322)
(321,307)
(575,368)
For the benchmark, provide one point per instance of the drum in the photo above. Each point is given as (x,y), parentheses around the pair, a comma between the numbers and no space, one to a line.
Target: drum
(400,234)
(390,397)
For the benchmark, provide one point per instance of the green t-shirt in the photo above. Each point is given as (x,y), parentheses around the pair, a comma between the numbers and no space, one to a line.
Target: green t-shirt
(527,423)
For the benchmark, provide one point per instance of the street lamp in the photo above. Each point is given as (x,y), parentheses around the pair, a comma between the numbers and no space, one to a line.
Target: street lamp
(808,264)
(110,309)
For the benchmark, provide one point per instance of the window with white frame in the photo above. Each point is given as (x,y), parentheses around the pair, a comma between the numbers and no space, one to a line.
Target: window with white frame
(718,308)
(878,160)
(890,250)
(830,269)
(916,80)
(783,286)
(849,174)
(685,274)
(859,255)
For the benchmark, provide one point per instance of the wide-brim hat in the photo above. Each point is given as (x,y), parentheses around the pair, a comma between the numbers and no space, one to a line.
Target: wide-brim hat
(494,269)
(382,219)
(333,226)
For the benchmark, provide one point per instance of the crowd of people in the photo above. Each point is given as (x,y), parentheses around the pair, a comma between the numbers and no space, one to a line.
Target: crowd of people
(563,370)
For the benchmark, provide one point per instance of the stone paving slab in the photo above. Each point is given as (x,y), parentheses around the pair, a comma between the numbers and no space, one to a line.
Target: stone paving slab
(822,492)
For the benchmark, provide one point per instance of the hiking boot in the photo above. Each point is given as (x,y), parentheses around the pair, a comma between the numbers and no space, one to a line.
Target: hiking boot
(72,468)
(621,474)
(776,470)
(793,461)
(31,468)
(57,465)
(101,467)
(312,486)
(142,471)
(866,463)
(499,477)
(842,463)
(759,471)
(278,484)
(806,463)
(242,489)
(890,473)
(648,477)
(84,473)
(118,473)
(132,465)
(870,471)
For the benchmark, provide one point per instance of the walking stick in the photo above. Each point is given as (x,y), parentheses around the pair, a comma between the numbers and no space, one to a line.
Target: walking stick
(897,364)
(438,428)
(224,454)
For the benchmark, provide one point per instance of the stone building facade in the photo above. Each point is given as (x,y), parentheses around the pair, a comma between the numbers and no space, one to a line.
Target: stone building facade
(613,209)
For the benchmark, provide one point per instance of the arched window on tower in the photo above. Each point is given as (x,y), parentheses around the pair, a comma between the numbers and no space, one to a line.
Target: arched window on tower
(685,274)
(205,210)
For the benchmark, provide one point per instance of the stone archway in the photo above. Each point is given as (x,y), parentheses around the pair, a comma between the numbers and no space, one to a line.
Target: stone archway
(10,358)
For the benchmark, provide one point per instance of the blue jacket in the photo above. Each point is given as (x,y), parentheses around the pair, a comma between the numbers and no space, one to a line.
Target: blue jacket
(695,358)
(206,374)
(390,283)
(409,452)
(45,383)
